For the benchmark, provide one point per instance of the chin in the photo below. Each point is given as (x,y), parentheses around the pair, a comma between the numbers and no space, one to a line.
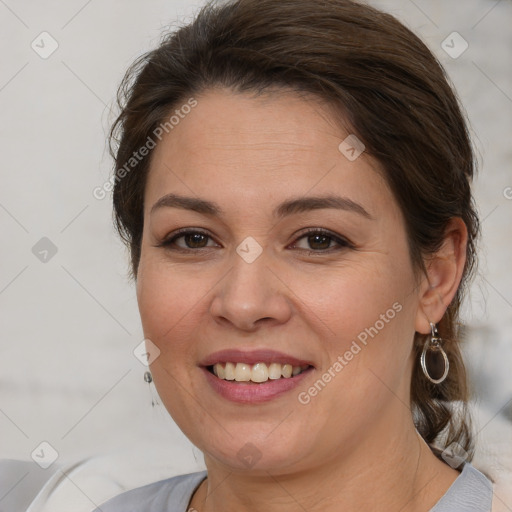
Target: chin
(255,453)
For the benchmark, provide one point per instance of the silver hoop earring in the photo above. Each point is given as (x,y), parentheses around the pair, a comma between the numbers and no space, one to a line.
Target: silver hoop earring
(435,357)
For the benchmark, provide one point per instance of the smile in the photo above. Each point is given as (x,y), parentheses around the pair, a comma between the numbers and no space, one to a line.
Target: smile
(250,392)
(256,373)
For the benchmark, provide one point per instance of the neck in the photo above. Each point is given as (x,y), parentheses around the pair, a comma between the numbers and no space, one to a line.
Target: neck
(381,473)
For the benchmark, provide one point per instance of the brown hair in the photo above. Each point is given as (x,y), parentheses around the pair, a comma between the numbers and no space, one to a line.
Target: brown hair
(396,98)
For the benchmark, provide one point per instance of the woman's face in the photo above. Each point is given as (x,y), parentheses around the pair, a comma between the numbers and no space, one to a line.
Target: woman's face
(349,307)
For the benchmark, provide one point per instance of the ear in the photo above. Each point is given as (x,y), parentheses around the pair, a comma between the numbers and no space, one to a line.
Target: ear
(444,272)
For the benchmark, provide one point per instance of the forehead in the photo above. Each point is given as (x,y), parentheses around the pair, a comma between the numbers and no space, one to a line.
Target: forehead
(251,151)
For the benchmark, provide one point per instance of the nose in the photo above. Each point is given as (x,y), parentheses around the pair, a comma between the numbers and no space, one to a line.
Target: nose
(251,294)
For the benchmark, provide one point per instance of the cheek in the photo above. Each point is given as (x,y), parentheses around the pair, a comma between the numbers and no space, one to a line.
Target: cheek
(168,303)
(346,301)
(367,319)
(365,313)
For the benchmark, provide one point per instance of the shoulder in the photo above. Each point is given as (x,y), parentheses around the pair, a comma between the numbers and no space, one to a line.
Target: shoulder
(169,495)
(471,492)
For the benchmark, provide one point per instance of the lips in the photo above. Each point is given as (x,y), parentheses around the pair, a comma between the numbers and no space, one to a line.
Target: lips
(252,357)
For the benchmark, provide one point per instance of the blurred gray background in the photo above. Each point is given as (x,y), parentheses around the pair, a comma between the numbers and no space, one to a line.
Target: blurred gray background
(68,313)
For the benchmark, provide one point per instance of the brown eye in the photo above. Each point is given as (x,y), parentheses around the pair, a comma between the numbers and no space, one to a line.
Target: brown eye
(192,239)
(319,241)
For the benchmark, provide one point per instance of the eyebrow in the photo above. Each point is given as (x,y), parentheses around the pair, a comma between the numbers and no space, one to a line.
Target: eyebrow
(286,208)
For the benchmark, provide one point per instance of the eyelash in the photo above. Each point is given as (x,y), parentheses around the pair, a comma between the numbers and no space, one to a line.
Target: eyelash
(342,242)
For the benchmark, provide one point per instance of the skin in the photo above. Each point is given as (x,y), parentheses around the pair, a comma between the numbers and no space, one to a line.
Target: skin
(354,445)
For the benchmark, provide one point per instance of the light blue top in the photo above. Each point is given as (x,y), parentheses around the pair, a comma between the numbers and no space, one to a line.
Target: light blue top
(470,492)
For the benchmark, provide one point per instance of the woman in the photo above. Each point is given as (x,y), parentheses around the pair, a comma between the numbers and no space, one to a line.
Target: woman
(293,182)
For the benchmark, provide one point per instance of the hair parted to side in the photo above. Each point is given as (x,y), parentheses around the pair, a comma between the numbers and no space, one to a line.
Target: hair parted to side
(394,94)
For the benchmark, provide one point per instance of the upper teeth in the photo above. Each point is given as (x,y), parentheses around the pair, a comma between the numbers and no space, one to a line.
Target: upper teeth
(258,372)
